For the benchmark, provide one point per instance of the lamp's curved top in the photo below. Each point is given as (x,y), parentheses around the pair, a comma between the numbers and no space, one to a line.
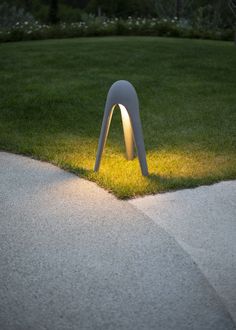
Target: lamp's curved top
(123,92)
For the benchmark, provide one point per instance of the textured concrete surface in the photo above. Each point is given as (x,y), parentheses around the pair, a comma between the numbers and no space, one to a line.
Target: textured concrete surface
(203,221)
(74,257)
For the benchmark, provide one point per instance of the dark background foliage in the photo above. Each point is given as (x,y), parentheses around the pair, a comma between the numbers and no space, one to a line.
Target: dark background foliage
(46,19)
(207,12)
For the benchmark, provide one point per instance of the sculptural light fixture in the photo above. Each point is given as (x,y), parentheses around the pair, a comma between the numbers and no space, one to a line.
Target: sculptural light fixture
(123,94)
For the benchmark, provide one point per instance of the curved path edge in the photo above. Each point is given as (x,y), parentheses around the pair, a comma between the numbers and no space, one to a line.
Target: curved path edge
(203,221)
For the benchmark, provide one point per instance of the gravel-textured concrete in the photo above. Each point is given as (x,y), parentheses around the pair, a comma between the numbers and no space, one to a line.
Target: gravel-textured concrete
(203,221)
(74,257)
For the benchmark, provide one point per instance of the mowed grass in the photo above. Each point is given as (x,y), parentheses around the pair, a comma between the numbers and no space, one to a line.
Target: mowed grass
(53,94)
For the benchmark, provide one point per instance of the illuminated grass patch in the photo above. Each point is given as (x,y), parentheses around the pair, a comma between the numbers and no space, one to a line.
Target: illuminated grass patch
(53,94)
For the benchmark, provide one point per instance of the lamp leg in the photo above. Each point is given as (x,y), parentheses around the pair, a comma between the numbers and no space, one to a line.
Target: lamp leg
(128,133)
(139,142)
(103,137)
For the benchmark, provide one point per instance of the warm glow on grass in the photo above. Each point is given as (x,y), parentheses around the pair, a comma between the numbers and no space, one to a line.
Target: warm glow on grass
(187,100)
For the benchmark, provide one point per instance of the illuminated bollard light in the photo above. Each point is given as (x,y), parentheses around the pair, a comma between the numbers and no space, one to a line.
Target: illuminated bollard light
(123,94)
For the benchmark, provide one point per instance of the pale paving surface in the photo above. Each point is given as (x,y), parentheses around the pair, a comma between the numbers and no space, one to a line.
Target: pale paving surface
(203,221)
(74,257)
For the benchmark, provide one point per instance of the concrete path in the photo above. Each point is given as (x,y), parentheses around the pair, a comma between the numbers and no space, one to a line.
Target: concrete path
(72,256)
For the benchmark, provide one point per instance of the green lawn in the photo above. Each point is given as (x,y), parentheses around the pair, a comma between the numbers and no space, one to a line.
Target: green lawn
(53,94)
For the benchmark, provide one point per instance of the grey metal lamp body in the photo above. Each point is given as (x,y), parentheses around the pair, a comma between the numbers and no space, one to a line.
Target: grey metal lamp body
(122,93)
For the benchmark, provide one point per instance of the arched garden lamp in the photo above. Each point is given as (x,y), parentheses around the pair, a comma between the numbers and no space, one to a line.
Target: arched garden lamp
(123,94)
